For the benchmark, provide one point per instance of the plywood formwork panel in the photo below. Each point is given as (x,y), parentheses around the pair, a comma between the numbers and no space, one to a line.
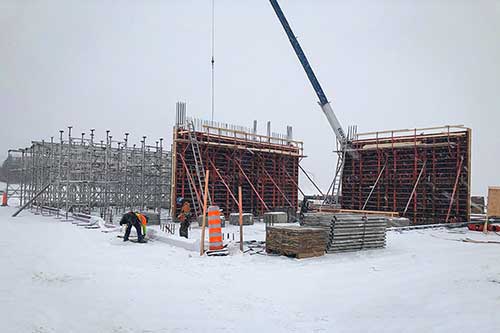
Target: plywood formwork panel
(494,201)
(424,175)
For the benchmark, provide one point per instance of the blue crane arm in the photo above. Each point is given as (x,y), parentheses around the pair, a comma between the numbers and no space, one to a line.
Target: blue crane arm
(323,101)
(300,53)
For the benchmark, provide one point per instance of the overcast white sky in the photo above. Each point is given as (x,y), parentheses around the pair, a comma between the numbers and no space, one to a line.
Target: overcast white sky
(122,65)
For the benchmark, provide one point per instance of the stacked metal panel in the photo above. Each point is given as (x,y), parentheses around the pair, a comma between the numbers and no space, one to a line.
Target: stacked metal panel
(350,232)
(354,232)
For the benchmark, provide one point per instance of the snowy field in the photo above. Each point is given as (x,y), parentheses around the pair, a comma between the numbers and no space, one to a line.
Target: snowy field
(57,277)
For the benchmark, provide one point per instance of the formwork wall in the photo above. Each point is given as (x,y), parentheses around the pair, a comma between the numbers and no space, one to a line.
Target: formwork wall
(265,167)
(424,174)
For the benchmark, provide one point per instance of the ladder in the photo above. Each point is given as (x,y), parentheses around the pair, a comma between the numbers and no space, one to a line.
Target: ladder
(198,161)
(336,186)
(345,148)
(337,180)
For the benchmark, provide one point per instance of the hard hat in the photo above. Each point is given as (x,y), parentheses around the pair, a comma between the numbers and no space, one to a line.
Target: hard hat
(180,200)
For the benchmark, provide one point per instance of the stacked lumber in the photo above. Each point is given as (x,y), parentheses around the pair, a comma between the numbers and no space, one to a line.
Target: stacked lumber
(299,242)
(350,232)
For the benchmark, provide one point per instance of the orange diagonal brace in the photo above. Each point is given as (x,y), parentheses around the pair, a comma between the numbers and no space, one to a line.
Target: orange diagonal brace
(454,189)
(223,182)
(250,183)
(293,181)
(276,185)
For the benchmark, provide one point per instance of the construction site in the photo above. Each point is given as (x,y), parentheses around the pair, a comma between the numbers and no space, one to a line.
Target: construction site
(402,178)
(219,202)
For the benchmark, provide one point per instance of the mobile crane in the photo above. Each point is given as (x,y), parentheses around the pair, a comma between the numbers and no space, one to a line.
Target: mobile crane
(324,103)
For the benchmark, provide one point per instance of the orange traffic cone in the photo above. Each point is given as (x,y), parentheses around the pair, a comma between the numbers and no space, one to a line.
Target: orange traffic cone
(4,199)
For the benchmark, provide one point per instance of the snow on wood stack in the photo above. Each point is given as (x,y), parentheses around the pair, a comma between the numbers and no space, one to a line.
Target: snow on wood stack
(350,232)
(300,242)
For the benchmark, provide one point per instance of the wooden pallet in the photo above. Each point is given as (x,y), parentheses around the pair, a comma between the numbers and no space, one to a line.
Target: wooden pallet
(301,255)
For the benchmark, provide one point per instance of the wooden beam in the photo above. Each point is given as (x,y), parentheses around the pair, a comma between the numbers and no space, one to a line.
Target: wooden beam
(205,196)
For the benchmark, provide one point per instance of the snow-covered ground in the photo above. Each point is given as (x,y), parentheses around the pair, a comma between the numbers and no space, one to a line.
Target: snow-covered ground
(57,277)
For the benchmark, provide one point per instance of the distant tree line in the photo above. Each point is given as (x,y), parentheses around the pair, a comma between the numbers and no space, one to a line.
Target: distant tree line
(9,170)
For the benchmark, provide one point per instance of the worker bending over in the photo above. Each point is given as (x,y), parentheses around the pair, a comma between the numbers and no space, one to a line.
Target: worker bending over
(184,217)
(137,220)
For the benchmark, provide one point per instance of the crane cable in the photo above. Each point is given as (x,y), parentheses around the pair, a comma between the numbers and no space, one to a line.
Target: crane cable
(213,58)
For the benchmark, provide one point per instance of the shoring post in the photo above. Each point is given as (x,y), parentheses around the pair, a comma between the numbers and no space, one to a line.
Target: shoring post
(205,196)
(240,209)
(312,182)
(68,168)
(454,190)
(414,189)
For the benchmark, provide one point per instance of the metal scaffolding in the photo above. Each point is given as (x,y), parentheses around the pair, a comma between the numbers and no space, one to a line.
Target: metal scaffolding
(82,174)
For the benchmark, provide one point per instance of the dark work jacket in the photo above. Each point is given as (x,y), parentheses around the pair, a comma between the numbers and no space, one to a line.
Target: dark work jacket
(130,218)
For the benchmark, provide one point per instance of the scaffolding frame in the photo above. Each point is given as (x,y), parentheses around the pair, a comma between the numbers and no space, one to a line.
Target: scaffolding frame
(84,175)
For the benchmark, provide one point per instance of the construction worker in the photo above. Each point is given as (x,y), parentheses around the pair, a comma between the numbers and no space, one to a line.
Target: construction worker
(137,220)
(184,217)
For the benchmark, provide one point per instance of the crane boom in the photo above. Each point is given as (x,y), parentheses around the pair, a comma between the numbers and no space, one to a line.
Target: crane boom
(323,101)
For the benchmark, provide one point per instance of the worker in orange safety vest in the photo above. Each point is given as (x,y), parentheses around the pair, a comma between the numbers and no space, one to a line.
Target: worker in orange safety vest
(184,217)
(139,221)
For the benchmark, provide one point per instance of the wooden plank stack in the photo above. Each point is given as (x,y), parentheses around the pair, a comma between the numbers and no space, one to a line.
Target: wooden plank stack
(350,232)
(299,242)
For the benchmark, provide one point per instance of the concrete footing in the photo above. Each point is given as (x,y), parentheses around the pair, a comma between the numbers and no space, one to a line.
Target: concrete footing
(200,221)
(275,217)
(234,219)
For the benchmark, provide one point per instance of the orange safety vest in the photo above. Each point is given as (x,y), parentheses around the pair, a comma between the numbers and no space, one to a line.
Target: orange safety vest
(141,218)
(185,211)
